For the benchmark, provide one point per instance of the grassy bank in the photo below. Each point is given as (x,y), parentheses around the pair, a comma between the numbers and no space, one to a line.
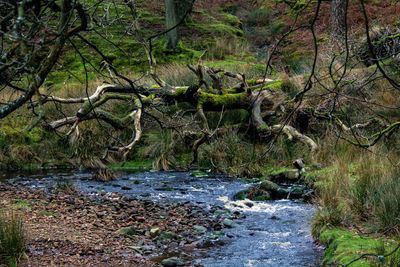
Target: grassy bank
(359,210)
(350,247)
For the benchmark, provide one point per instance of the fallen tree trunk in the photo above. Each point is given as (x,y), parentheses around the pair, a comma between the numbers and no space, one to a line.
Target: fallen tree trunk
(258,97)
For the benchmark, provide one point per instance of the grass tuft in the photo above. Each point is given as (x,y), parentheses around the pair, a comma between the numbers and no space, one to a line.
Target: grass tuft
(12,238)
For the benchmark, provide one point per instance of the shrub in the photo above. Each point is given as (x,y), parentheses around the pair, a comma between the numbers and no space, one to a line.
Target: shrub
(12,238)
(260,17)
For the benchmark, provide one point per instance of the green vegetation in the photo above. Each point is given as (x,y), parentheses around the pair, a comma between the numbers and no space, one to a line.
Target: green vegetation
(365,192)
(131,165)
(12,238)
(344,246)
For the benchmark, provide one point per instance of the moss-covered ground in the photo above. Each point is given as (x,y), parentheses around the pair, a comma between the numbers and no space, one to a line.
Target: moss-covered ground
(344,246)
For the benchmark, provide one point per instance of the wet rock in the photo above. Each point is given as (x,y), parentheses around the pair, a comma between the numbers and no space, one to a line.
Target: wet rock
(155,232)
(296,192)
(125,188)
(269,186)
(200,228)
(229,223)
(249,204)
(169,236)
(299,164)
(138,249)
(217,233)
(284,176)
(172,262)
(265,191)
(308,196)
(217,226)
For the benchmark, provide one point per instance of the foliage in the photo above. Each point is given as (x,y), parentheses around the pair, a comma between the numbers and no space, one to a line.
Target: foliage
(232,155)
(12,237)
(162,149)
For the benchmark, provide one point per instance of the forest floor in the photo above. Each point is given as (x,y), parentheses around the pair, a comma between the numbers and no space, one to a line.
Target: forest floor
(70,228)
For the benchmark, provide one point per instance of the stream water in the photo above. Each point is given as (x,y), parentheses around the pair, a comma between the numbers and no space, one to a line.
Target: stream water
(274,233)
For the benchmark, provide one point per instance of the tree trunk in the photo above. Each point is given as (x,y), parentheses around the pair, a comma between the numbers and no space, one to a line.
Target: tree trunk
(338,17)
(175,10)
(171,19)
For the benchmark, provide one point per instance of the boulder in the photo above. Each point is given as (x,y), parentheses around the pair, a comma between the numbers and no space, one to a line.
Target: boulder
(267,190)
(284,176)
(172,262)
(229,223)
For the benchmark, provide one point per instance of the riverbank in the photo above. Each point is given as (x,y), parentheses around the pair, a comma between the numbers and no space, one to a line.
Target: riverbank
(71,228)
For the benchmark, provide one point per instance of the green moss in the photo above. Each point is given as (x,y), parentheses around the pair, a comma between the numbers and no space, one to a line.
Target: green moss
(149,17)
(31,166)
(181,91)
(241,195)
(219,29)
(298,61)
(260,17)
(182,54)
(264,197)
(226,99)
(344,246)
(232,20)
(21,203)
(13,136)
(226,29)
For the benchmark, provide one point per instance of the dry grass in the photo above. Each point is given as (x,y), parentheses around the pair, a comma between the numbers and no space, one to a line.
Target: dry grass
(359,187)
(228,46)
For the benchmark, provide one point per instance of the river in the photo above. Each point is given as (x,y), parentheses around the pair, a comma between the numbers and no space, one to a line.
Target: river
(271,233)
